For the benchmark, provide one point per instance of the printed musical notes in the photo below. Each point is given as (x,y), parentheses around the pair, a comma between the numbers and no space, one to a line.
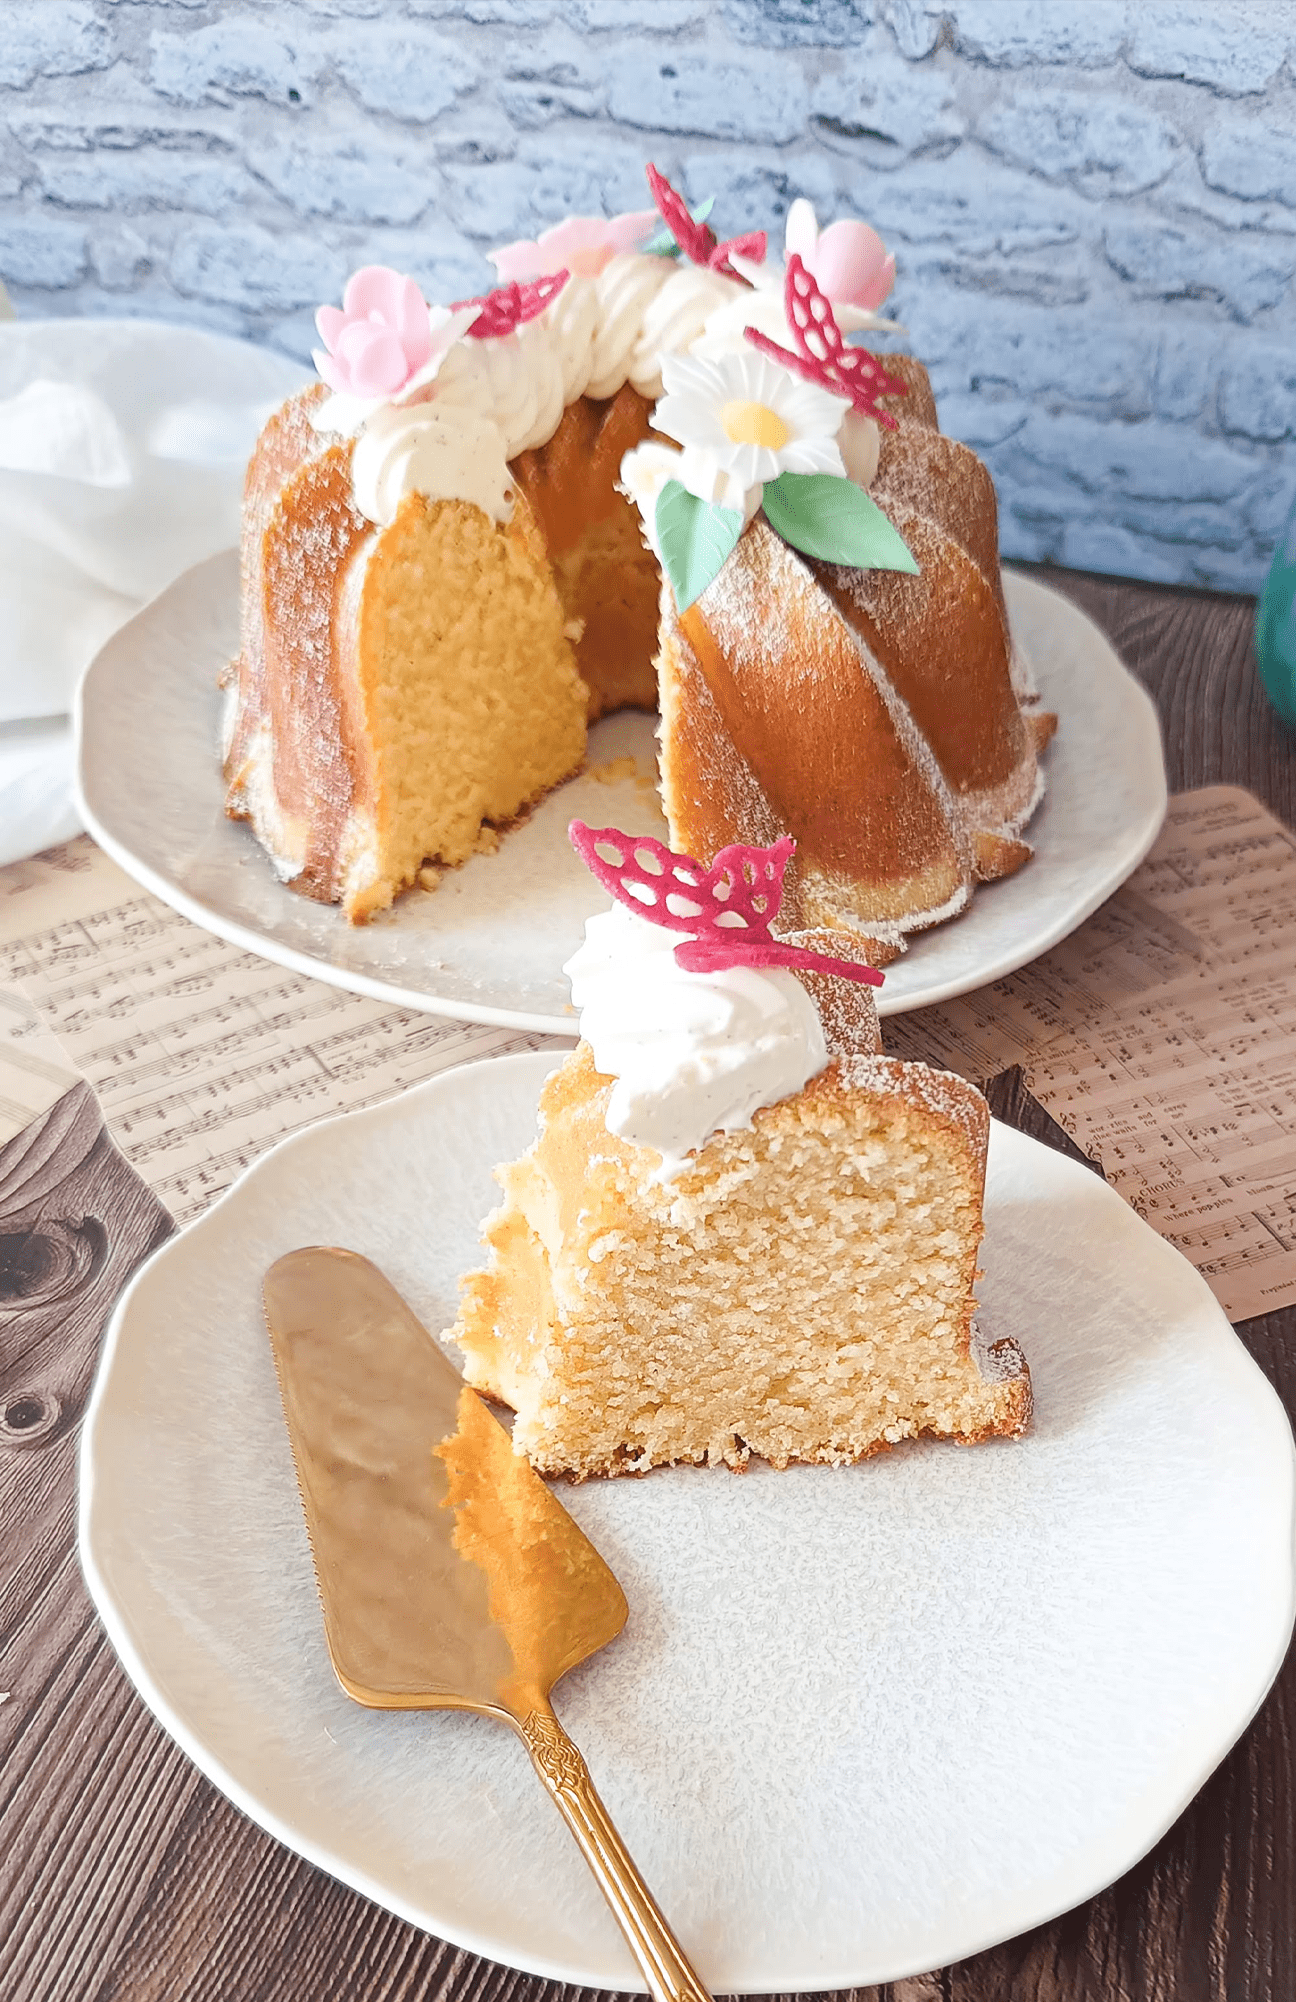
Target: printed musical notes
(1162,1036)
(202,1056)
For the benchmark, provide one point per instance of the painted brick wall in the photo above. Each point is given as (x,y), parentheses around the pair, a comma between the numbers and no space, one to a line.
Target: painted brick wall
(1093,202)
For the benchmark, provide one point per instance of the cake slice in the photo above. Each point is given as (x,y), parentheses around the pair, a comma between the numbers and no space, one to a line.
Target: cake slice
(799,1286)
(431,656)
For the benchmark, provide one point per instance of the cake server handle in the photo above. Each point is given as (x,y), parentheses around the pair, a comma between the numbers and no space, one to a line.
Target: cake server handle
(658,1954)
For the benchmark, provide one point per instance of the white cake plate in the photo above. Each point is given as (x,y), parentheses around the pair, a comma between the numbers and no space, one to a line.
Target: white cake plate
(490,943)
(863,1721)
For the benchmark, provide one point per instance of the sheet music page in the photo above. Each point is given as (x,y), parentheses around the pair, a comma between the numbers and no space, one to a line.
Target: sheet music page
(34,1074)
(1162,1036)
(202,1056)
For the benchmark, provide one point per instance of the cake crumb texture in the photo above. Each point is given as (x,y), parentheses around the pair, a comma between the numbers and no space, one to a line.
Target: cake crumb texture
(607,579)
(804,1292)
(468,700)
(400,687)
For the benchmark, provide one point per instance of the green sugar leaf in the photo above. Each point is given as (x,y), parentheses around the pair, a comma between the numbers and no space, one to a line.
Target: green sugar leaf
(833,519)
(664,244)
(695,538)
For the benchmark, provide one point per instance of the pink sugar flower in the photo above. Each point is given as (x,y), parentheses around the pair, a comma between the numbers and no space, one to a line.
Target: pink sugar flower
(848,260)
(381,337)
(582,245)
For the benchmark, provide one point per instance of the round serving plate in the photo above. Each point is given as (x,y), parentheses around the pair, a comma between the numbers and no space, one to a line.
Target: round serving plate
(862,1721)
(489,945)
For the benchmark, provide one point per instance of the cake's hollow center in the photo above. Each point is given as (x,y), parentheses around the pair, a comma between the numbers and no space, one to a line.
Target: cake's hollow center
(754,424)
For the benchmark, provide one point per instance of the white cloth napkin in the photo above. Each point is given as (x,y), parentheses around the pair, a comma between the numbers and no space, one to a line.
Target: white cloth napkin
(122,450)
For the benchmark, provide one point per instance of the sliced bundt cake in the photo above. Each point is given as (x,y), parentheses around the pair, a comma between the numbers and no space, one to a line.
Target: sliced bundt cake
(444,580)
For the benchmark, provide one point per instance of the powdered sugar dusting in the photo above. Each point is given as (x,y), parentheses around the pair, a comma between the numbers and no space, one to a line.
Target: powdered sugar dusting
(999,1361)
(942,1093)
(771,602)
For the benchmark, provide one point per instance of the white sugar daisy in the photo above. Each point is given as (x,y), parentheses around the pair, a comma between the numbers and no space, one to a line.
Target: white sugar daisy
(755,419)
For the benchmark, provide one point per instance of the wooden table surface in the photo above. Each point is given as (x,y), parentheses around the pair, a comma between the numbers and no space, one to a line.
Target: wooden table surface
(124,1874)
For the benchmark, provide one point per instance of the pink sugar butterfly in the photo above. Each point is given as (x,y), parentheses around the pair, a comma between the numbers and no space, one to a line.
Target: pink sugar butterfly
(823,355)
(511,306)
(697,239)
(728,908)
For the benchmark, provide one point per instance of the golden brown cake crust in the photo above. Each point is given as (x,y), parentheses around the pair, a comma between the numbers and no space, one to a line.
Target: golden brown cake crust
(607,579)
(300,530)
(311,538)
(286,442)
(773,724)
(846,1008)
(917,405)
(890,739)
(871,714)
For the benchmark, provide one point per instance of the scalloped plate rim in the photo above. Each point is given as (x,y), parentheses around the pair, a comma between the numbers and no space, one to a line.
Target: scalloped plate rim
(97,801)
(1127,1846)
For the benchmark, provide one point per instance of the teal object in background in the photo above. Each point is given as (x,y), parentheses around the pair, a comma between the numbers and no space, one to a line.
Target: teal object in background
(1275,625)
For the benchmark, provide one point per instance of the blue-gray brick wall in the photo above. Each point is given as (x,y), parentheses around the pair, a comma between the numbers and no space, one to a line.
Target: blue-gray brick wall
(1092,202)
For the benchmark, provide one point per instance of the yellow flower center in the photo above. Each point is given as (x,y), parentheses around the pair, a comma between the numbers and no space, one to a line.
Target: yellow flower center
(754,424)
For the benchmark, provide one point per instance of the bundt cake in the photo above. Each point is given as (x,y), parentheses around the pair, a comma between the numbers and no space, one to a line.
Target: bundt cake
(445,577)
(740,1229)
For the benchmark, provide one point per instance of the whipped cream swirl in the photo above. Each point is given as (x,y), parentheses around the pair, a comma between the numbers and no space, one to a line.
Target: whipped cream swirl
(599,333)
(431,449)
(624,290)
(691,1053)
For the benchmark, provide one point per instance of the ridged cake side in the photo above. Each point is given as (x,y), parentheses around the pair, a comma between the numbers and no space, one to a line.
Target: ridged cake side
(876,716)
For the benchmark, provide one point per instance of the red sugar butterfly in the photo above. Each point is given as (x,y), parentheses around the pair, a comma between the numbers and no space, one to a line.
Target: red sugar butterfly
(510,306)
(697,239)
(824,356)
(728,908)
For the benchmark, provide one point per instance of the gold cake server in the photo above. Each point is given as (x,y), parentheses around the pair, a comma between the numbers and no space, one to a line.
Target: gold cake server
(451,1577)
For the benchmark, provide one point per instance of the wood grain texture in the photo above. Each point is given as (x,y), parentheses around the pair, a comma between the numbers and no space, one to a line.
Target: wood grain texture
(1192,652)
(124,1875)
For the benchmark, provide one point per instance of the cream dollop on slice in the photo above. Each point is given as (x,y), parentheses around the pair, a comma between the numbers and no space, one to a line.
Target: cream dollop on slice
(425,448)
(691,1053)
